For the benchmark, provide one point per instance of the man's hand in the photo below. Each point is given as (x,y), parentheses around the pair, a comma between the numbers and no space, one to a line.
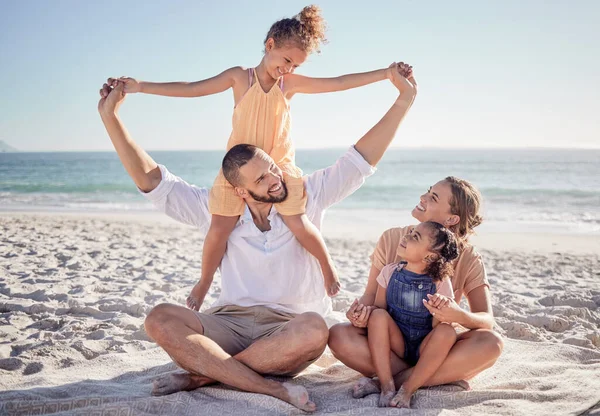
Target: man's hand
(196,298)
(403,79)
(111,97)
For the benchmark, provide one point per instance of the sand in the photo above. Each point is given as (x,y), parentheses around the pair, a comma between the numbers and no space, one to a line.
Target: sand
(74,291)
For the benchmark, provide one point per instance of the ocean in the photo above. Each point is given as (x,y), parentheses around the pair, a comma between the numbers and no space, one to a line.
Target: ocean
(523,189)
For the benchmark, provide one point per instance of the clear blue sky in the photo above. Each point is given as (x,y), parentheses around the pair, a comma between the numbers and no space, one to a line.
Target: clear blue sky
(491,73)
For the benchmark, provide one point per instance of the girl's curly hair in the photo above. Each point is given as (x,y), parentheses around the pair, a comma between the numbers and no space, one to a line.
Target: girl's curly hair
(306,30)
(445,245)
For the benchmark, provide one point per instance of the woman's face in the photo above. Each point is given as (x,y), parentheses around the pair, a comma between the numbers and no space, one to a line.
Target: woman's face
(434,205)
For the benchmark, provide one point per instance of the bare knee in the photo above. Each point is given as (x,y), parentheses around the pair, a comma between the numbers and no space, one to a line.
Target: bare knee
(445,332)
(311,327)
(157,323)
(341,338)
(491,342)
(336,336)
(379,317)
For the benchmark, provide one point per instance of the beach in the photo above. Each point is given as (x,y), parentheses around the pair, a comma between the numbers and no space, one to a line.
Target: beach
(75,288)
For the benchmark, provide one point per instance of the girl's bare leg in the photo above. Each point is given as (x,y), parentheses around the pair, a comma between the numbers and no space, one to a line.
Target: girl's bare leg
(213,251)
(384,336)
(433,351)
(311,239)
(473,352)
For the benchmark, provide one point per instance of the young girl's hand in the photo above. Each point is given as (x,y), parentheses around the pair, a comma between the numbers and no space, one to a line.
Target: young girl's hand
(132,85)
(359,314)
(404,69)
(403,79)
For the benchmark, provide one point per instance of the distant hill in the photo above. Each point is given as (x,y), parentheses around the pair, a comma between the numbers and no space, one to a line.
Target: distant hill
(6,148)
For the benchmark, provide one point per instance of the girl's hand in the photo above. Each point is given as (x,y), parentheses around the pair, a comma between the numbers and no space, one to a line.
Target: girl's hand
(448,313)
(403,79)
(359,314)
(132,85)
(438,301)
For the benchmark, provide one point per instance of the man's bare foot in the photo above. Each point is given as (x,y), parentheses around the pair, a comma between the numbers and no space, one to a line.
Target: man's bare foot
(364,387)
(298,396)
(175,382)
(401,399)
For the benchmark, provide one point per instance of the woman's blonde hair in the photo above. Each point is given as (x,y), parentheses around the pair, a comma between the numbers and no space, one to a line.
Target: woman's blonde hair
(465,202)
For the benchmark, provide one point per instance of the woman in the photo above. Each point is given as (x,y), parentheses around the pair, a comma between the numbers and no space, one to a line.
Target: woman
(455,204)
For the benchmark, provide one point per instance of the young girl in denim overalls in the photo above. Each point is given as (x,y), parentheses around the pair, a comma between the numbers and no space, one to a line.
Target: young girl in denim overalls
(402,324)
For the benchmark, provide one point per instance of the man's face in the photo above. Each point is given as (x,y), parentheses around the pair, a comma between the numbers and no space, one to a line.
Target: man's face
(262,180)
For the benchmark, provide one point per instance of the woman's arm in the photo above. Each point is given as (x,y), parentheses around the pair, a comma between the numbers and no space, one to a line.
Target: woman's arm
(368,298)
(294,84)
(481,315)
(214,85)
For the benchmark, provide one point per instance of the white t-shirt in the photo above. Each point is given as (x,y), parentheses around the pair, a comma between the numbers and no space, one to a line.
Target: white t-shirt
(268,268)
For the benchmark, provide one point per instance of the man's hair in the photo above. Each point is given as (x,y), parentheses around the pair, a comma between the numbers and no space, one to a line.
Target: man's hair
(234,159)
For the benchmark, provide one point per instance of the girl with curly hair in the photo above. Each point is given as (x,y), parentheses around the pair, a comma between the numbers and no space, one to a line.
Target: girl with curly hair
(261,117)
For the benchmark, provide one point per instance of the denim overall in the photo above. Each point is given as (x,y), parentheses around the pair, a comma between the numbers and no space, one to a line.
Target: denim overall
(405,293)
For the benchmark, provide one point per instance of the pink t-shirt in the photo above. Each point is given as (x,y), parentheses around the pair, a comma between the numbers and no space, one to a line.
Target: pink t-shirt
(443,288)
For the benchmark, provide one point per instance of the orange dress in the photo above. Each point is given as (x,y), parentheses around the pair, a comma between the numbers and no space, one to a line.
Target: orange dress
(262,119)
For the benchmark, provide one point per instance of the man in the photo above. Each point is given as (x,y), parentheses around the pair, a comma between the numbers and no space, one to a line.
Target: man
(268,317)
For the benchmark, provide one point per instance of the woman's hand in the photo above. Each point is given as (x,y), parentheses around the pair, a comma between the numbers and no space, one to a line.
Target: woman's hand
(447,309)
(438,301)
(359,314)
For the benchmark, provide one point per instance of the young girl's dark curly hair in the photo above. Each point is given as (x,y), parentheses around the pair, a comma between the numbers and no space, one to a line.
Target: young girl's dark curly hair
(445,246)
(306,30)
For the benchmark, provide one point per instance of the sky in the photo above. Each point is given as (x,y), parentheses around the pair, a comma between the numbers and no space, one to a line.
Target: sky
(491,73)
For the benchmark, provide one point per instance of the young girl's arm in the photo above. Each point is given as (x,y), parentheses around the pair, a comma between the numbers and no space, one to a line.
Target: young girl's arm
(380,297)
(214,85)
(294,84)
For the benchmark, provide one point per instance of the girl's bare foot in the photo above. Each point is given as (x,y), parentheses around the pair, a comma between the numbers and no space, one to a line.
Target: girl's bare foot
(364,387)
(175,382)
(298,396)
(401,399)
(387,393)
(385,397)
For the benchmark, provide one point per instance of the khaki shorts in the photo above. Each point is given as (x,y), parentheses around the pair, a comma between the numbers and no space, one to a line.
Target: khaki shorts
(235,328)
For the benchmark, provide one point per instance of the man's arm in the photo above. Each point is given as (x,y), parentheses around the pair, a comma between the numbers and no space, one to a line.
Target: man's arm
(139,165)
(330,185)
(373,145)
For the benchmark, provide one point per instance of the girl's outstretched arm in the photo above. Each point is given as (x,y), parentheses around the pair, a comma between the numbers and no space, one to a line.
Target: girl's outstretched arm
(299,84)
(214,85)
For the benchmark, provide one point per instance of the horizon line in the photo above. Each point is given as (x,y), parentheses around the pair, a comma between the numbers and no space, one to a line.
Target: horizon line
(322,148)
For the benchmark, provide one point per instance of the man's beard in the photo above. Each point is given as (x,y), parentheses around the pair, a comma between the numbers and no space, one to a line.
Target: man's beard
(268,199)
